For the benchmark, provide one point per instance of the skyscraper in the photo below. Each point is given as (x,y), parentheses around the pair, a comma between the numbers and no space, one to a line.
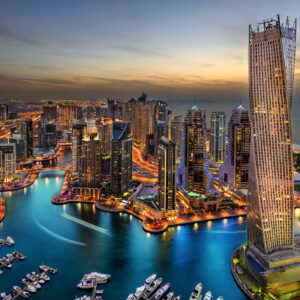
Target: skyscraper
(25,128)
(234,170)
(50,110)
(166,175)
(121,158)
(217,136)
(3,112)
(7,161)
(272,255)
(46,133)
(195,153)
(68,112)
(271,180)
(176,136)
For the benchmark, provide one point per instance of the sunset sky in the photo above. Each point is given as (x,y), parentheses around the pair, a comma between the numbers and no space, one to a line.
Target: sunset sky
(188,49)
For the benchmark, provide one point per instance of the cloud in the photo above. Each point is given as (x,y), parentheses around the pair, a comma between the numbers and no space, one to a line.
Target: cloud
(141,51)
(8,35)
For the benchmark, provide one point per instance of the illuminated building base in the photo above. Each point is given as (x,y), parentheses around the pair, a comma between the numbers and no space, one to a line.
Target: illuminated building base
(276,274)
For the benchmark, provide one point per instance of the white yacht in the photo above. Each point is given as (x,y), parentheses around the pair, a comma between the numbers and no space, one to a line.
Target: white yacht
(30,288)
(177,297)
(195,295)
(160,292)
(131,297)
(99,277)
(150,279)
(6,296)
(139,292)
(169,296)
(151,288)
(220,298)
(88,284)
(10,241)
(208,296)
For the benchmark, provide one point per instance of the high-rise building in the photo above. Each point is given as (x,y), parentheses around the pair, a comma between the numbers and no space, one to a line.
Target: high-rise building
(46,133)
(196,178)
(176,136)
(272,255)
(50,110)
(3,112)
(7,162)
(89,161)
(79,131)
(217,136)
(271,180)
(166,175)
(25,128)
(111,108)
(121,158)
(67,114)
(234,170)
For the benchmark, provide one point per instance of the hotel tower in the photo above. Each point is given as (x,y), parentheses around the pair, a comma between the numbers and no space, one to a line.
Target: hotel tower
(272,47)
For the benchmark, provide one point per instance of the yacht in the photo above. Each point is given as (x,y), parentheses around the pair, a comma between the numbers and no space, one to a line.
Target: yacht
(139,292)
(208,296)
(36,285)
(220,298)
(30,288)
(150,279)
(169,296)
(195,295)
(160,292)
(25,294)
(10,241)
(16,288)
(99,277)
(130,297)
(177,297)
(152,287)
(88,284)
(6,296)
(30,277)
(44,276)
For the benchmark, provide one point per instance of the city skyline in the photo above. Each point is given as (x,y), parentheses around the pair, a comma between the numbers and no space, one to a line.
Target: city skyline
(178,51)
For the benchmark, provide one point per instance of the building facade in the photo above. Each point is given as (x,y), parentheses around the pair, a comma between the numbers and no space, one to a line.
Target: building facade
(217,136)
(271,182)
(121,158)
(234,170)
(7,162)
(67,114)
(166,175)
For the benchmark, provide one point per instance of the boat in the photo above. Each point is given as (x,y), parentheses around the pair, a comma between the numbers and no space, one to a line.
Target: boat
(36,285)
(99,292)
(220,298)
(159,293)
(6,296)
(9,241)
(98,277)
(150,279)
(208,296)
(44,276)
(139,292)
(28,283)
(130,297)
(88,284)
(169,296)
(25,294)
(177,297)
(16,289)
(30,277)
(30,288)
(151,288)
(195,295)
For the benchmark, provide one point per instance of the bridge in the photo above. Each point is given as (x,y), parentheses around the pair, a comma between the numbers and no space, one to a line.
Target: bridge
(47,169)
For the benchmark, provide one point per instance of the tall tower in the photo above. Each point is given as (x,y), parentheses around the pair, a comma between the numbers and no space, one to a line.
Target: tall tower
(217,136)
(272,50)
(195,152)
(234,170)
(166,174)
(121,158)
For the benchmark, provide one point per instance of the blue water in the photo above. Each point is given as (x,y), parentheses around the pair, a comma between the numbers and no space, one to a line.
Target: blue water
(114,244)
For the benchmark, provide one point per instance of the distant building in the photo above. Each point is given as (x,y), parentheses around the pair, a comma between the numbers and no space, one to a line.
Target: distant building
(50,110)
(166,175)
(7,162)
(121,158)
(67,114)
(176,136)
(25,128)
(217,136)
(3,112)
(235,168)
(46,133)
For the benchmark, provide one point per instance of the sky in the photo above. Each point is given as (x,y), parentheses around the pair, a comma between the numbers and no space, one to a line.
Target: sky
(92,49)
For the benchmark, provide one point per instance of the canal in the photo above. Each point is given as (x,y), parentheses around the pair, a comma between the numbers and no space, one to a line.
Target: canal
(114,244)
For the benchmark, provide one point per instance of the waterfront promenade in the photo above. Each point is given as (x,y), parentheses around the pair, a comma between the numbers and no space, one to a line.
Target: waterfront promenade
(2,209)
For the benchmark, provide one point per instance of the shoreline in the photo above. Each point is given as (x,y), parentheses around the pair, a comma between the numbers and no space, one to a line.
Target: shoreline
(24,186)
